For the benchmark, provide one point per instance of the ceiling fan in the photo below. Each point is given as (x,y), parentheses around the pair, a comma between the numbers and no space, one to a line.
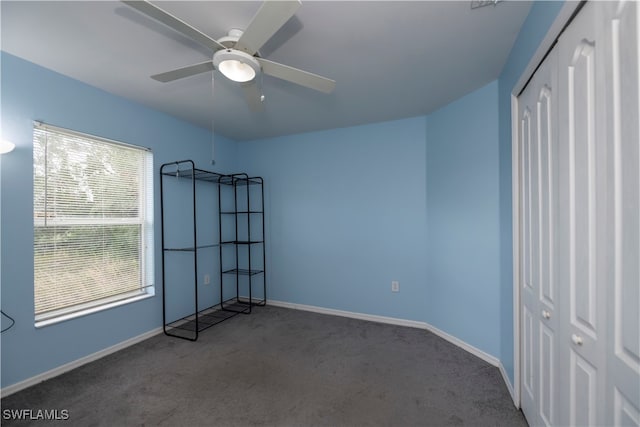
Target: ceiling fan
(236,55)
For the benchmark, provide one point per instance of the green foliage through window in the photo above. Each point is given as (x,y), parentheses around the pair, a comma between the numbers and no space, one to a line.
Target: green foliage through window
(92,221)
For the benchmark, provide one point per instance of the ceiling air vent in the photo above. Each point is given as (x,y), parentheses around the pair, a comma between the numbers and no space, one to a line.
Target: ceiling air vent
(475,4)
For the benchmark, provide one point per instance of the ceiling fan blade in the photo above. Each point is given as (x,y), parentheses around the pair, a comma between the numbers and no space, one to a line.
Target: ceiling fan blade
(294,75)
(171,21)
(270,17)
(253,96)
(180,73)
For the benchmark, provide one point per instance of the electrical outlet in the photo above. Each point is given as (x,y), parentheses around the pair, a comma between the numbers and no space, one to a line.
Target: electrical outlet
(207,279)
(395,286)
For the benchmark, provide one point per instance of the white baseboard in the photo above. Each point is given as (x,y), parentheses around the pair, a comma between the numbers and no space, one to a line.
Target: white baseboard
(492,360)
(505,378)
(351,314)
(13,388)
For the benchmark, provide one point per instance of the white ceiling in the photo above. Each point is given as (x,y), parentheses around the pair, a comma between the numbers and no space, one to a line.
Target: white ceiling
(390,59)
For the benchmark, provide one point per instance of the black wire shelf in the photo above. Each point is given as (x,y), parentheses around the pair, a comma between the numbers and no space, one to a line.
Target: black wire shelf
(216,178)
(246,181)
(243,271)
(254,301)
(241,242)
(241,212)
(208,317)
(197,174)
(192,249)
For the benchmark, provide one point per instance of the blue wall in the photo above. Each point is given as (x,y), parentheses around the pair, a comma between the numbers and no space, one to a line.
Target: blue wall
(463,219)
(415,200)
(346,216)
(29,93)
(534,29)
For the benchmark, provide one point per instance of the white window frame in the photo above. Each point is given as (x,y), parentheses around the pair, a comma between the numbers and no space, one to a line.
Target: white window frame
(145,220)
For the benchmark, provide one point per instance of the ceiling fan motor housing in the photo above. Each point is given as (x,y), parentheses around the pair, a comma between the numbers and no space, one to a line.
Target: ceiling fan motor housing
(232,37)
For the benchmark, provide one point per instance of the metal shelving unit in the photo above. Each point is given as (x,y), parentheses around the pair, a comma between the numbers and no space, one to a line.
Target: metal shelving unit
(247,215)
(189,326)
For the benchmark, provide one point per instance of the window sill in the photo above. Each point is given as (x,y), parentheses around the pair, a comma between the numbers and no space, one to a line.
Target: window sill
(91,310)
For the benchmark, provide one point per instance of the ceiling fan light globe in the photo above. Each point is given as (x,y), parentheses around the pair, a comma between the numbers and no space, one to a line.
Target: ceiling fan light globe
(236,70)
(235,65)
(6,146)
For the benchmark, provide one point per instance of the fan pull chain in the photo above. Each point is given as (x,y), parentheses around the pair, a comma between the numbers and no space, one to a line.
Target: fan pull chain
(213,135)
(261,87)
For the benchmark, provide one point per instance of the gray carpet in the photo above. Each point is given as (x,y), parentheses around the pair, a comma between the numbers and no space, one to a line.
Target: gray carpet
(281,367)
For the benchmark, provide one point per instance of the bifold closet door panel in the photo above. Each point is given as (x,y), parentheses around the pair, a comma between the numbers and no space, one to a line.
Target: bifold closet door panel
(582,226)
(528,283)
(539,169)
(623,136)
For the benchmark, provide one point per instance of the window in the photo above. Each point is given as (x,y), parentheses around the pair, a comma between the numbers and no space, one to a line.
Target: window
(93,223)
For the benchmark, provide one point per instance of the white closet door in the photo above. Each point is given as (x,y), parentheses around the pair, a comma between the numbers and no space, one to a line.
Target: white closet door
(579,136)
(582,221)
(538,162)
(623,136)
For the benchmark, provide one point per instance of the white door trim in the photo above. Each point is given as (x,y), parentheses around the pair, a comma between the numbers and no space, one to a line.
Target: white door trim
(552,35)
(515,209)
(556,28)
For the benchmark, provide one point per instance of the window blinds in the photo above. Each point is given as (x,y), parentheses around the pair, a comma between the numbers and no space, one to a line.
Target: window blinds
(93,216)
